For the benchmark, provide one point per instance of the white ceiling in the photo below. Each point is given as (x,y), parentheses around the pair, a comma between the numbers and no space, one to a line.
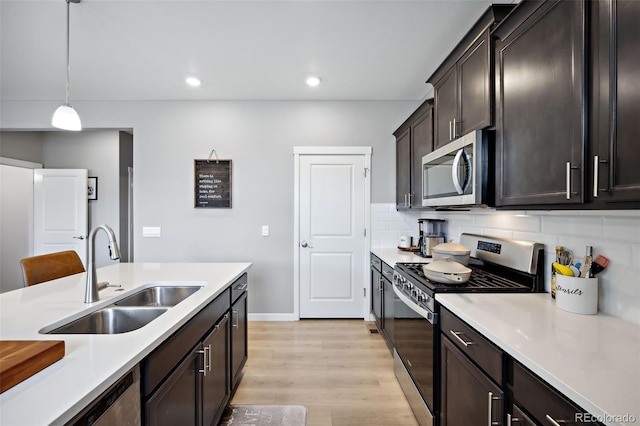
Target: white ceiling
(241,50)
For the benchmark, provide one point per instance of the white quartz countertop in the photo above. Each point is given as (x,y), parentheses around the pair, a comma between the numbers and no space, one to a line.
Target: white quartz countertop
(93,362)
(391,256)
(592,359)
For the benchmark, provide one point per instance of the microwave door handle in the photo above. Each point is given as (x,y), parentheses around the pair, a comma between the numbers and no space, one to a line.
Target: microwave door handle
(454,171)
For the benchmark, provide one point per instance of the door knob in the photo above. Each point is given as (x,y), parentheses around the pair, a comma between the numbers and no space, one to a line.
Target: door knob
(305,244)
(81,237)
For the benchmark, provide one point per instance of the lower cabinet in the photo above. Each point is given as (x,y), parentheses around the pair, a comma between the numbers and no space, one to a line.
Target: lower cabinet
(189,378)
(376,290)
(470,395)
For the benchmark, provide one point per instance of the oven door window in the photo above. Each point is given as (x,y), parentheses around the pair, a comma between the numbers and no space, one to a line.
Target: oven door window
(414,340)
(449,175)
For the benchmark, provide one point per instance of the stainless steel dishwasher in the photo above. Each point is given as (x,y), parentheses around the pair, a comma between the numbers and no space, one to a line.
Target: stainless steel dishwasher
(118,405)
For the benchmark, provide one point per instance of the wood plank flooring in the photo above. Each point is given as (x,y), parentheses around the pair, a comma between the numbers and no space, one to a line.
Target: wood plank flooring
(341,372)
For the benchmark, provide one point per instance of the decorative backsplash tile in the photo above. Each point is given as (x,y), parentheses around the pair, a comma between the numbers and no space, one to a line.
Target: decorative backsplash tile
(614,234)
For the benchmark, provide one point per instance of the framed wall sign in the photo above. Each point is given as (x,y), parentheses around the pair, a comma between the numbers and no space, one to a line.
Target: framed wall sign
(92,188)
(212,183)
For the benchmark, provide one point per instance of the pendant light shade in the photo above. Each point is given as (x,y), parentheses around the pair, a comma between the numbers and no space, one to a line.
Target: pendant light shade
(65,117)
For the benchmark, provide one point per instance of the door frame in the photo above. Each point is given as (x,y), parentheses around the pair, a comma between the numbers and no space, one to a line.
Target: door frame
(299,151)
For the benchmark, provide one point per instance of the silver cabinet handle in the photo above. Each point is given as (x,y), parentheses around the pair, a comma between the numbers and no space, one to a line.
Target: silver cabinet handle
(568,176)
(450,137)
(242,287)
(553,421)
(453,125)
(596,164)
(206,360)
(410,196)
(490,421)
(457,334)
(236,322)
(80,237)
(509,419)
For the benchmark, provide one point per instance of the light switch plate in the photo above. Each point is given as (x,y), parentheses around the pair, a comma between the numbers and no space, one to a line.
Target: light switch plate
(265,230)
(151,231)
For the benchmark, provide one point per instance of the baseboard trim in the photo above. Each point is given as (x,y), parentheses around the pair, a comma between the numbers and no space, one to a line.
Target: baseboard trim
(272,317)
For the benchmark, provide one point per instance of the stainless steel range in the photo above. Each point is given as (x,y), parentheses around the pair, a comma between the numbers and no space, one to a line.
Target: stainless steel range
(497,264)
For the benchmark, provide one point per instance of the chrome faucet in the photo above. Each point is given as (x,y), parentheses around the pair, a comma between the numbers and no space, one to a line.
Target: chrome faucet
(91,291)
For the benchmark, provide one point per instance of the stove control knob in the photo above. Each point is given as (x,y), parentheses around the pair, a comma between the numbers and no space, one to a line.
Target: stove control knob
(420,297)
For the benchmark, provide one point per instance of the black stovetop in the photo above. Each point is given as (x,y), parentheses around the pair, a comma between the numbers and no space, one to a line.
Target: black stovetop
(484,278)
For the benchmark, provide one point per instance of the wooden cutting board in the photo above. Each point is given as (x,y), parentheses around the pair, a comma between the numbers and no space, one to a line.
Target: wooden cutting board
(20,359)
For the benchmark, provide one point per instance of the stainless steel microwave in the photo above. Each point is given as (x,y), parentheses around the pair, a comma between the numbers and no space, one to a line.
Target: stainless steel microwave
(456,174)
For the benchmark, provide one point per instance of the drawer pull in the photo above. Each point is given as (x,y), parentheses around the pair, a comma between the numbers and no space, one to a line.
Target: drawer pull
(490,416)
(555,422)
(512,420)
(457,336)
(236,323)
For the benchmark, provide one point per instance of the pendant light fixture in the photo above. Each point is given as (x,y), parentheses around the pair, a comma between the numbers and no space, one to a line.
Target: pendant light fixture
(65,117)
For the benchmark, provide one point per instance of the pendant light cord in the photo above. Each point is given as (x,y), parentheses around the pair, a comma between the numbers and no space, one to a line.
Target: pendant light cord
(68,67)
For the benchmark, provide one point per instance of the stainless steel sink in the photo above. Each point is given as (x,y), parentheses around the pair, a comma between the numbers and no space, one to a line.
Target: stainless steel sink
(111,320)
(158,296)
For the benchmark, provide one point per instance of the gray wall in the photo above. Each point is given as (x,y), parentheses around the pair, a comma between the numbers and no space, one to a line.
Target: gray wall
(259,137)
(25,146)
(98,152)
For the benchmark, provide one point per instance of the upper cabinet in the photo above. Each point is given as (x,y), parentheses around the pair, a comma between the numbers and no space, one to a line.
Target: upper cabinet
(616,148)
(463,84)
(541,114)
(567,107)
(414,139)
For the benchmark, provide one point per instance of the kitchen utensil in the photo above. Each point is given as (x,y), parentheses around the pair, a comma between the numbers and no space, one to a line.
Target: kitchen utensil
(598,264)
(20,359)
(446,271)
(562,269)
(454,251)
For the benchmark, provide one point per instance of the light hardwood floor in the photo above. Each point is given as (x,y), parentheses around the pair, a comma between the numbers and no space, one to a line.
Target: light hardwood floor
(341,372)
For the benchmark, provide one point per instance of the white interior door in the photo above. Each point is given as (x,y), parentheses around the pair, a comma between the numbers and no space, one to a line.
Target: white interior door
(333,191)
(60,211)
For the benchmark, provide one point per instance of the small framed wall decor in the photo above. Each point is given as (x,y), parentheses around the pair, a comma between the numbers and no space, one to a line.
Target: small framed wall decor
(212,183)
(92,188)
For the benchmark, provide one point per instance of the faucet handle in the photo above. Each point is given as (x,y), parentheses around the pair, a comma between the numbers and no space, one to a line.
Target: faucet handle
(105,284)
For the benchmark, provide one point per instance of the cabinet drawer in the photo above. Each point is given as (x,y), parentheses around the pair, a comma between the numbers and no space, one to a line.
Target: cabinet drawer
(161,361)
(376,263)
(478,348)
(387,271)
(239,287)
(542,401)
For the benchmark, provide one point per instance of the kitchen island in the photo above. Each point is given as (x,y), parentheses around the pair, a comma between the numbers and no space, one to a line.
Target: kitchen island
(92,363)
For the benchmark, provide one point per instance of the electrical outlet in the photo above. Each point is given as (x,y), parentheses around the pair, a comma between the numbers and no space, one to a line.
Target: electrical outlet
(151,231)
(265,230)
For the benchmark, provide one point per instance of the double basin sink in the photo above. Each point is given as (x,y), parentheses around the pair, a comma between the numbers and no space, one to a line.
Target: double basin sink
(129,313)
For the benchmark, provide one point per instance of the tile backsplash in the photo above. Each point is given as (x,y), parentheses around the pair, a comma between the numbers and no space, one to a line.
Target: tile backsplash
(614,234)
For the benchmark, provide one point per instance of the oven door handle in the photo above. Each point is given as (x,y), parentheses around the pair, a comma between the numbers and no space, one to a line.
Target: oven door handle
(424,313)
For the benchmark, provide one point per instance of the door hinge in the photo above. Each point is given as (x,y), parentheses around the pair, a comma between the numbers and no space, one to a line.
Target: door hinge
(365,232)
(365,292)
(366,170)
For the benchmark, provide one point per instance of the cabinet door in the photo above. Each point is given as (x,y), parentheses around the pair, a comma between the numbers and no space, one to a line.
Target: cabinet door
(468,396)
(403,170)
(175,402)
(239,348)
(445,106)
(474,79)
(540,136)
(618,146)
(388,302)
(376,297)
(421,145)
(215,373)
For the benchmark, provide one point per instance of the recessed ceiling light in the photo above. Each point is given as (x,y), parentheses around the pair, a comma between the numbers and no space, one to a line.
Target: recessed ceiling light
(313,81)
(193,81)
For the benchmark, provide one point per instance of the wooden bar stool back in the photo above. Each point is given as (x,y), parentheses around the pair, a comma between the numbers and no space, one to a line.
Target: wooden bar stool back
(47,267)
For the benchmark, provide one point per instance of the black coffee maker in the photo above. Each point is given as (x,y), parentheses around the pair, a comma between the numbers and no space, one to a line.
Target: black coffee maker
(431,234)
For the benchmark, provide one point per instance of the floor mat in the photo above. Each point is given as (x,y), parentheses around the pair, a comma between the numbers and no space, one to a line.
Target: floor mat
(264,415)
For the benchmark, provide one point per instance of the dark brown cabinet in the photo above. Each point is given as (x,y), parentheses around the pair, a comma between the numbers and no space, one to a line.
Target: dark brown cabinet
(239,341)
(616,147)
(540,92)
(376,290)
(471,376)
(414,139)
(214,373)
(463,84)
(536,401)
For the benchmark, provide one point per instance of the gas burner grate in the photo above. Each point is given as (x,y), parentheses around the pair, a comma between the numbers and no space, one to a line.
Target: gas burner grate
(480,280)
